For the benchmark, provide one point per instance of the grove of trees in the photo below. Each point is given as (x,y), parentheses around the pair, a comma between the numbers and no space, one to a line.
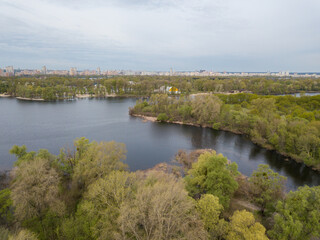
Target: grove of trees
(51,88)
(288,124)
(89,193)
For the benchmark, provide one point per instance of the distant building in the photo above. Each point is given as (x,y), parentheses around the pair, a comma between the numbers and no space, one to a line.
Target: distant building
(44,70)
(173,90)
(98,71)
(9,71)
(168,89)
(73,71)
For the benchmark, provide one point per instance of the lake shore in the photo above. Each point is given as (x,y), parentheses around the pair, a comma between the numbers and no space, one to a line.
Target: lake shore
(30,99)
(265,146)
(154,119)
(5,95)
(78,96)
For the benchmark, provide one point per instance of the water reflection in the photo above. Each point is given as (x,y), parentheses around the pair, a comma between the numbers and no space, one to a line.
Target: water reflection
(54,125)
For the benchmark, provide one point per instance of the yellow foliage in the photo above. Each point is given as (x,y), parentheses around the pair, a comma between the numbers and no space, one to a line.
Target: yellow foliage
(244,227)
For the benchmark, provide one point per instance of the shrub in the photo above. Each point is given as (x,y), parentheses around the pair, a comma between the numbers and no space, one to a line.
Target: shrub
(162,117)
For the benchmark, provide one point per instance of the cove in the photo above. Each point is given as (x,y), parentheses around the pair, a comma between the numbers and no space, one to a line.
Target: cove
(53,125)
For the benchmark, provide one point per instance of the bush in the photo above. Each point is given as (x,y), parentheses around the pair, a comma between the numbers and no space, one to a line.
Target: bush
(162,117)
(216,126)
(147,109)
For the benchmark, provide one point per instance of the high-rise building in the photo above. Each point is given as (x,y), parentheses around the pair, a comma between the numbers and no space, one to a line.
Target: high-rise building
(98,71)
(44,70)
(9,71)
(73,71)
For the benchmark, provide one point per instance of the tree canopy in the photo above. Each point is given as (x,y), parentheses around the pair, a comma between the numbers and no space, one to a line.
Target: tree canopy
(214,175)
(298,216)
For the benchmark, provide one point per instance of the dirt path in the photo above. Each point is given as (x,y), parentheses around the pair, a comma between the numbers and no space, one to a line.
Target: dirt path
(246,205)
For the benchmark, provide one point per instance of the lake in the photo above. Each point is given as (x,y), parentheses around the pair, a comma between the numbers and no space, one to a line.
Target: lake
(53,125)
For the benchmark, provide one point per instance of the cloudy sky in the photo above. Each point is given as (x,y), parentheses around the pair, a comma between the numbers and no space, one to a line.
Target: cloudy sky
(218,35)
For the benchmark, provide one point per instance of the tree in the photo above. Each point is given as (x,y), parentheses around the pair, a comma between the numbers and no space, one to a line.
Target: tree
(97,161)
(4,233)
(81,225)
(212,174)
(6,216)
(206,108)
(210,209)
(36,197)
(68,159)
(297,217)
(162,117)
(186,159)
(244,227)
(104,199)
(265,107)
(35,189)
(23,235)
(267,187)
(161,209)
(22,154)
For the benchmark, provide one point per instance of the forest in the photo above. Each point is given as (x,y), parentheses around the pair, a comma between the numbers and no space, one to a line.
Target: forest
(88,192)
(287,124)
(51,88)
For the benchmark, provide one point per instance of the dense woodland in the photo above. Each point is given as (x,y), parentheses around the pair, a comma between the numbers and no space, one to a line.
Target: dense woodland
(288,124)
(53,88)
(88,193)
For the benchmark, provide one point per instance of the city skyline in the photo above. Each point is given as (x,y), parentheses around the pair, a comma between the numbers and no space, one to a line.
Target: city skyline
(9,71)
(246,36)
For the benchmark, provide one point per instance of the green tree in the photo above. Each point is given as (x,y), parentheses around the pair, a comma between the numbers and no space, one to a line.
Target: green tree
(297,217)
(104,199)
(6,216)
(24,156)
(210,209)
(97,161)
(212,174)
(267,187)
(81,225)
(68,159)
(162,117)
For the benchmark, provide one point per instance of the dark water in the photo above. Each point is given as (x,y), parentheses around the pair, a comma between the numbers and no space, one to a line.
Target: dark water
(299,94)
(56,125)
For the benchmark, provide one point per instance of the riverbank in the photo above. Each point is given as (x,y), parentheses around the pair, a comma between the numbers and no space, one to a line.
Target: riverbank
(154,119)
(5,95)
(263,145)
(31,99)
(239,201)
(78,96)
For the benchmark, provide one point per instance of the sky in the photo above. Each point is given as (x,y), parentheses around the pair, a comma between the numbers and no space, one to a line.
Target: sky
(156,35)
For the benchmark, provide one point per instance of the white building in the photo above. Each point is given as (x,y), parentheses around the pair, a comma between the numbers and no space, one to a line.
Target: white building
(73,71)
(44,70)
(9,71)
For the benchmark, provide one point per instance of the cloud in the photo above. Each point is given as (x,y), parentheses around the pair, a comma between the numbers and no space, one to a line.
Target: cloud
(245,35)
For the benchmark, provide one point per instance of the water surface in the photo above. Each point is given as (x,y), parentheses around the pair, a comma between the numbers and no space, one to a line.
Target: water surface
(52,125)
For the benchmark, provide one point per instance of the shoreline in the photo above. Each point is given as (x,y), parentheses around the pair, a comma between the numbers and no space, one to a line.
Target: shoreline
(154,119)
(5,95)
(85,96)
(30,99)
(267,147)
(78,96)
